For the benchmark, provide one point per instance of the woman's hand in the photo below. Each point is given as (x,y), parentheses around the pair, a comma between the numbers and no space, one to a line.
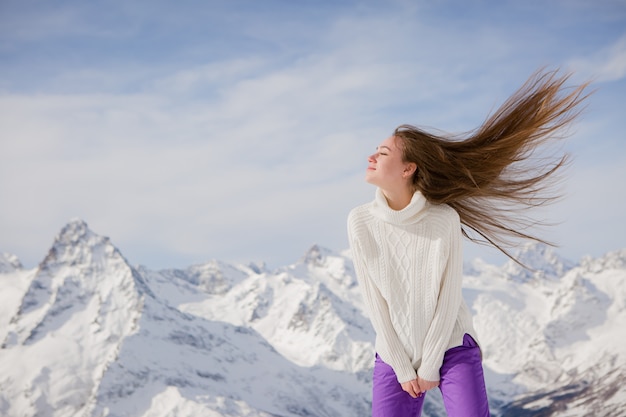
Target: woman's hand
(426,385)
(412,387)
(417,387)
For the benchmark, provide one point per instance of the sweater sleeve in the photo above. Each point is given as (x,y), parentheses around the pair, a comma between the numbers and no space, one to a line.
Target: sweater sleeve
(388,342)
(446,311)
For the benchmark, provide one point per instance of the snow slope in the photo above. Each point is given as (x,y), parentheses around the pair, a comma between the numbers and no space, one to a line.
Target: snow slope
(87,334)
(91,338)
(553,340)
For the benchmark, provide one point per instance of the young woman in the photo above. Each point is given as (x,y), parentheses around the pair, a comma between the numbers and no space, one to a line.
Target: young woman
(407,243)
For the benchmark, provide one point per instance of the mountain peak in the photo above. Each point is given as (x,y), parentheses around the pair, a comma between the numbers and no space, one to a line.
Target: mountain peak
(75,244)
(542,260)
(612,260)
(81,270)
(9,263)
(74,230)
(316,254)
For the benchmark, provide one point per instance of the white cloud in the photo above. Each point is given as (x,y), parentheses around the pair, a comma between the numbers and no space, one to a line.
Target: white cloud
(608,64)
(255,155)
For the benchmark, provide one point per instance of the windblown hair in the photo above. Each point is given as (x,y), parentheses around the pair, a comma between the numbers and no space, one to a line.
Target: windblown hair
(492,175)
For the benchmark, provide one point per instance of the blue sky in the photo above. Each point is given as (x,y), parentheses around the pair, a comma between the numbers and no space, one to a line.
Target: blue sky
(239,130)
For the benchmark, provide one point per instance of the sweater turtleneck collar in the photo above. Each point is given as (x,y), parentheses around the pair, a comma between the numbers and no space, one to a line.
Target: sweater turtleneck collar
(408,215)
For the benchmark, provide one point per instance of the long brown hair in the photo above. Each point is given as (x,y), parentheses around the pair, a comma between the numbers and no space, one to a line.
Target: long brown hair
(492,175)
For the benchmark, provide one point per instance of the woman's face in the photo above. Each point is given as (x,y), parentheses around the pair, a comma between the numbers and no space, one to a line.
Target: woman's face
(386,169)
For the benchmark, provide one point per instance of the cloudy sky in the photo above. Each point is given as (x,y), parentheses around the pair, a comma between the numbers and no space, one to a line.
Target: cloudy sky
(239,130)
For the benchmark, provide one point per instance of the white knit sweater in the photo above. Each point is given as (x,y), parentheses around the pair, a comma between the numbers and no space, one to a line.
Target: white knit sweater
(409,266)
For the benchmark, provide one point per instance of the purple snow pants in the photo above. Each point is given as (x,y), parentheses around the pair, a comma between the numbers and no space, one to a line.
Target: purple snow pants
(462,386)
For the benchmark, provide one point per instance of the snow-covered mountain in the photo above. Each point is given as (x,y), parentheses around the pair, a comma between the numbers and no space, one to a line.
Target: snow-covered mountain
(553,340)
(88,334)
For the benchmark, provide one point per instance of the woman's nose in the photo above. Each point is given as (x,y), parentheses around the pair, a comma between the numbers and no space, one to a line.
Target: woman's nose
(371,158)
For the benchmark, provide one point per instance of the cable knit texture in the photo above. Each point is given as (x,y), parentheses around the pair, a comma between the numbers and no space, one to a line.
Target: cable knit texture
(409,265)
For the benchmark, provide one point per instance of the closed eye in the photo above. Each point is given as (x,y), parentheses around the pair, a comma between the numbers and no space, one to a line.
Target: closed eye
(380,148)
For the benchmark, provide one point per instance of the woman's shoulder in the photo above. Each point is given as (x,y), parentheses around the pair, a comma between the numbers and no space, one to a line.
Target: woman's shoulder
(444,214)
(359,214)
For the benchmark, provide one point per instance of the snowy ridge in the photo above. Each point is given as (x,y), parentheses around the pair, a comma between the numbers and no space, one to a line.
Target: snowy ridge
(94,336)
(14,282)
(9,263)
(87,334)
(293,310)
(555,344)
(82,301)
(541,260)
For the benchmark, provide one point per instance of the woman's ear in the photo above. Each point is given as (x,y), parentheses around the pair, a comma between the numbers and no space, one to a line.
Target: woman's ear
(409,169)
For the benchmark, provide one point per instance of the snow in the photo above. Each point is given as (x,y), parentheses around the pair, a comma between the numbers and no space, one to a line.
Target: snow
(9,263)
(85,333)
(13,286)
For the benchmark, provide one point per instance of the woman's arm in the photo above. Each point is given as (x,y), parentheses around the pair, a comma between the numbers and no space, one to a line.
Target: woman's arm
(446,311)
(391,350)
